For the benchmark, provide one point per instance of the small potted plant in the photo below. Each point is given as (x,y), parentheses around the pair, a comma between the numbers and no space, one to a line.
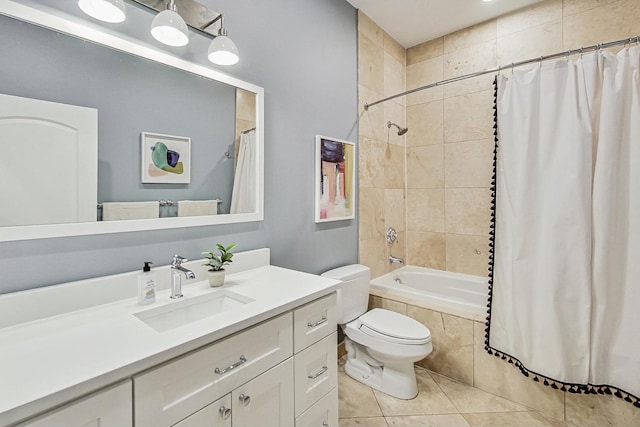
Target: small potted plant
(216,262)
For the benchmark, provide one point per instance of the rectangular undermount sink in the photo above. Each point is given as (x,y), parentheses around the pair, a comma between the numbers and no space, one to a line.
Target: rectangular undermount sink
(190,310)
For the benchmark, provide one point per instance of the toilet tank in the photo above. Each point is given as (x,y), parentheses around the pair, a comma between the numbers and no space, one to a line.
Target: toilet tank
(353,295)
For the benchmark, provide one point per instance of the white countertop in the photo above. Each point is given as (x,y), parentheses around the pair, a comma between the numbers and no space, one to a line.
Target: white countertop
(47,362)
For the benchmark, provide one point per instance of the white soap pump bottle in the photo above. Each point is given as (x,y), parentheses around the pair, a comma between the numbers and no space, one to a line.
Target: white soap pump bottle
(146,285)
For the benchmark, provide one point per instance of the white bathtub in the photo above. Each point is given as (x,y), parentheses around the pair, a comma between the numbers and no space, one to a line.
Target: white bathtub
(455,293)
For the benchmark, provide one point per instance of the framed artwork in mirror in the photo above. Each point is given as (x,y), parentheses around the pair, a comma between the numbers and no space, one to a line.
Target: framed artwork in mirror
(166,159)
(335,179)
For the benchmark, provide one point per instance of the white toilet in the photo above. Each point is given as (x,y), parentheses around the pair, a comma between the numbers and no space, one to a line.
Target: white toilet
(381,345)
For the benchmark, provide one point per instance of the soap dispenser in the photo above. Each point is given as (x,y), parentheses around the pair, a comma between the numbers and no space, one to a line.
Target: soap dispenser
(146,285)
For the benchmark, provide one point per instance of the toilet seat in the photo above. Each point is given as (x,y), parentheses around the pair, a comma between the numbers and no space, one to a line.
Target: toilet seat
(393,327)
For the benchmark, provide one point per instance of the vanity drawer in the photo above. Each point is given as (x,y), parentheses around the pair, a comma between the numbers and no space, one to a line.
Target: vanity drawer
(170,393)
(314,321)
(324,413)
(316,372)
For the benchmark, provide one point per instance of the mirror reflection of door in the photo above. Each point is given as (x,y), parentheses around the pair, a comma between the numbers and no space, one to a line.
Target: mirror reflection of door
(42,145)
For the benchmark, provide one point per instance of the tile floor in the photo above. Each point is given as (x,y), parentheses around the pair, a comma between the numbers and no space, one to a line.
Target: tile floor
(441,402)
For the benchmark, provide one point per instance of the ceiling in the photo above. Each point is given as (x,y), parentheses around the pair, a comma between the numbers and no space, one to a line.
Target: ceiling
(412,22)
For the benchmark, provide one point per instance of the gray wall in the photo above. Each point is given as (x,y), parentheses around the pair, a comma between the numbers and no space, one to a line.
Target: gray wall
(304,54)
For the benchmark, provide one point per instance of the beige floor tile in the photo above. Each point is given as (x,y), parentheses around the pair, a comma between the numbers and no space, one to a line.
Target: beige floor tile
(594,410)
(469,400)
(365,422)
(452,420)
(510,419)
(355,399)
(430,400)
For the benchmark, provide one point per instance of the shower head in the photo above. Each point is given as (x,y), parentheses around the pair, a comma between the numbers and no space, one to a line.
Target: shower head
(401,130)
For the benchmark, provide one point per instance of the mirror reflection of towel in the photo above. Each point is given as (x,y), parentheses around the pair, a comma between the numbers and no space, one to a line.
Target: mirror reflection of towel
(116,211)
(197,207)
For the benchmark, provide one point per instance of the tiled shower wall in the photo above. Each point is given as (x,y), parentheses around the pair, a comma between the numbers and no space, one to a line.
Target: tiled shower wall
(442,215)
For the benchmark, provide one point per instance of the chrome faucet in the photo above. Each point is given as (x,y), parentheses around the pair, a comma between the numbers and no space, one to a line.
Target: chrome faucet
(395,260)
(176,277)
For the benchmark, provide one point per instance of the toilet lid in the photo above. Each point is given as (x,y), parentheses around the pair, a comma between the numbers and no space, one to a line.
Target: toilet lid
(394,326)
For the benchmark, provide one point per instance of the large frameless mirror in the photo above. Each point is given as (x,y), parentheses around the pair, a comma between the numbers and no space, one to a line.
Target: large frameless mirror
(103,132)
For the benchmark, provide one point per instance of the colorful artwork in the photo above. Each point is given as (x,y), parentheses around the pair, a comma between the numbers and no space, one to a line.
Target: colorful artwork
(166,159)
(335,176)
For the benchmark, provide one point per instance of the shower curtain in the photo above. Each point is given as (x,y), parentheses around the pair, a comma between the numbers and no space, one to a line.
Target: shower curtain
(565,264)
(243,197)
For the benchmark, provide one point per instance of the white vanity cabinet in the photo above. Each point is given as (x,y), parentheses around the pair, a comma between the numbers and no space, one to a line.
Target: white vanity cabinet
(110,407)
(170,393)
(316,373)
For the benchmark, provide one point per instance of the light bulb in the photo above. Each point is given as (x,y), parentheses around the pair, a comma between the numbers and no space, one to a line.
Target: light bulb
(223,51)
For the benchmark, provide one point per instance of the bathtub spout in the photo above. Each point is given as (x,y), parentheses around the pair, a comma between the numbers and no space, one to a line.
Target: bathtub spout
(395,260)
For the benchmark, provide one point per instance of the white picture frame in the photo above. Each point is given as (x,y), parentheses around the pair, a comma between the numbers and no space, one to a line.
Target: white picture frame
(334,179)
(165,159)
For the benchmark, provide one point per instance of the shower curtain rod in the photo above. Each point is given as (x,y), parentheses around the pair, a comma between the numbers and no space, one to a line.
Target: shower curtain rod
(512,65)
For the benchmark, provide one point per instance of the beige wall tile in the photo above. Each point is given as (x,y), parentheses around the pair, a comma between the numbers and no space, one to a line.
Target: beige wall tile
(571,7)
(426,50)
(468,210)
(425,210)
(245,105)
(470,60)
(370,64)
(394,75)
(387,304)
(371,122)
(395,113)
(372,255)
(594,410)
(468,117)
(425,166)
(394,167)
(537,14)
(426,249)
(470,36)
(424,73)
(471,85)
(452,339)
(394,48)
(426,124)
(370,29)
(371,163)
(468,164)
(394,203)
(498,377)
(371,213)
(605,23)
(467,254)
(531,43)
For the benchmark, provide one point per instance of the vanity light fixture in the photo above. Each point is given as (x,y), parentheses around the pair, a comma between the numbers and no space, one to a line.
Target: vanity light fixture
(222,50)
(111,11)
(169,28)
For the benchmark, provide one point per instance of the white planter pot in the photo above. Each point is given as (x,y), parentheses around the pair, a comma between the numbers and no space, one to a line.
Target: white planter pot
(216,278)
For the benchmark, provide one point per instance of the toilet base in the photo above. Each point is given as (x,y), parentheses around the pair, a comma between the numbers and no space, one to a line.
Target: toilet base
(395,379)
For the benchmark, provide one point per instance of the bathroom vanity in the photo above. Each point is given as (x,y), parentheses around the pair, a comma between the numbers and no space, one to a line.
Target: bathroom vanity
(261,350)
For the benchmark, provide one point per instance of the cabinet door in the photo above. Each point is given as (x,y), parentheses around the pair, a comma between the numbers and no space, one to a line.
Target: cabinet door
(266,401)
(218,414)
(108,408)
